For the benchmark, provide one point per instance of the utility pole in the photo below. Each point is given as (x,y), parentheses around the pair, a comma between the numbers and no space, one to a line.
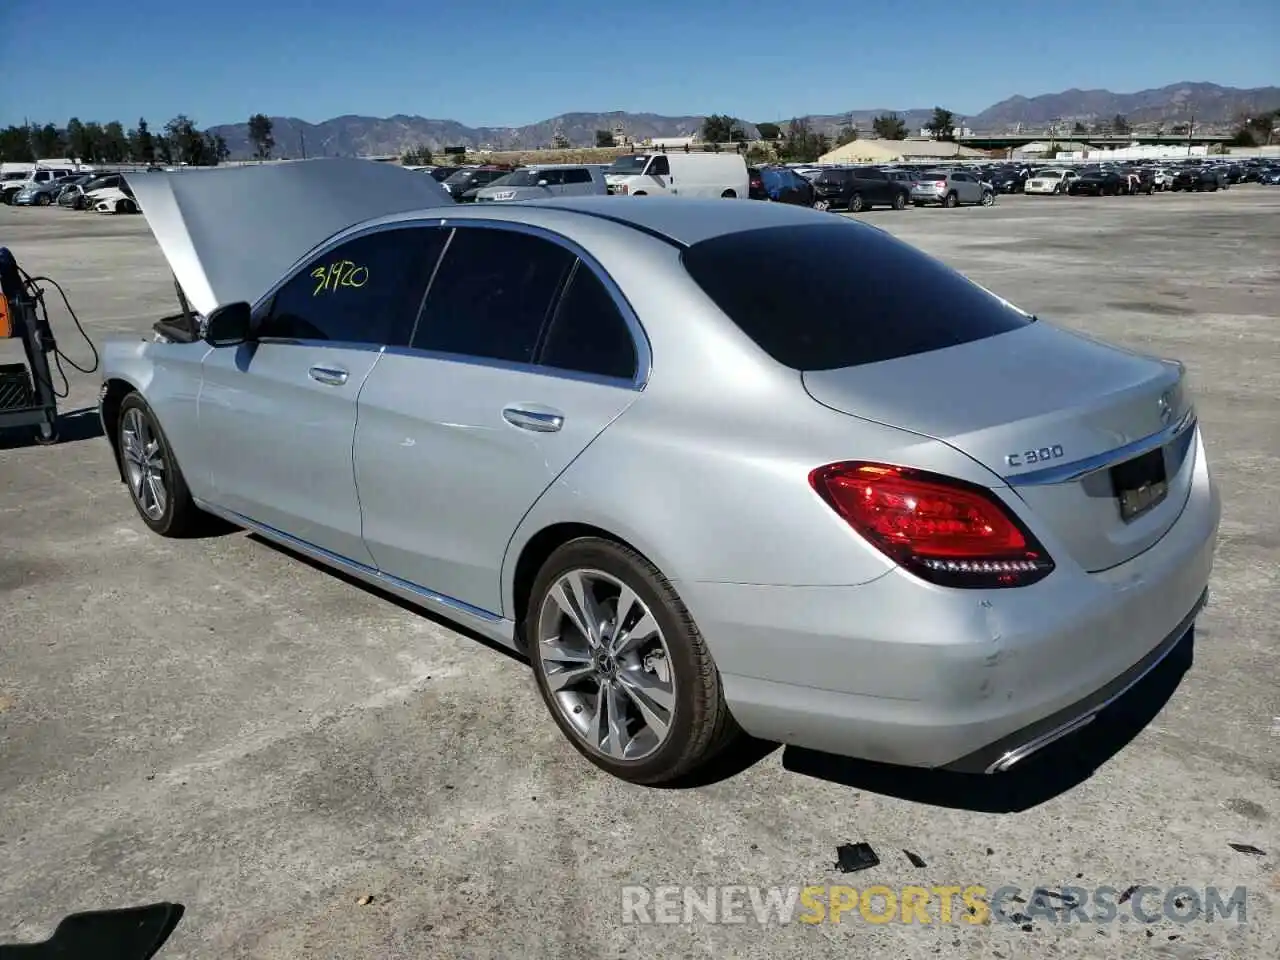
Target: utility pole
(1191,129)
(302,137)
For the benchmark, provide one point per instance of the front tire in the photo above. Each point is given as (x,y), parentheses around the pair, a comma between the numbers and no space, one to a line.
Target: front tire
(151,472)
(988,198)
(951,201)
(621,665)
(855,203)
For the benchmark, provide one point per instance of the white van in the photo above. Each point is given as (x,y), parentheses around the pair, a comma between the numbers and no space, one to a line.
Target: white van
(679,175)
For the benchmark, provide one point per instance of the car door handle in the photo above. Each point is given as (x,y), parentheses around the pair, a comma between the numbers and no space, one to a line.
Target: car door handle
(334,376)
(539,421)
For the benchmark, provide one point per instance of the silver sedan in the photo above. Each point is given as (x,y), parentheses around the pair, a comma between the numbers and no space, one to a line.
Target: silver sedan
(712,467)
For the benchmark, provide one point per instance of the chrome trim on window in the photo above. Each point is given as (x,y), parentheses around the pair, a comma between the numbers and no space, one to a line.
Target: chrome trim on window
(1066,472)
(644,354)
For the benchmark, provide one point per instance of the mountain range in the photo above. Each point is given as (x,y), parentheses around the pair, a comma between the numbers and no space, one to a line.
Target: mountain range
(1206,103)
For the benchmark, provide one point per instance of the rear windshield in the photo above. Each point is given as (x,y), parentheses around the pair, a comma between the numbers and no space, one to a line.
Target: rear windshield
(837,295)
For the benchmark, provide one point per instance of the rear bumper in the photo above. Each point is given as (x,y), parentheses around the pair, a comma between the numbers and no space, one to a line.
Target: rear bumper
(899,671)
(932,196)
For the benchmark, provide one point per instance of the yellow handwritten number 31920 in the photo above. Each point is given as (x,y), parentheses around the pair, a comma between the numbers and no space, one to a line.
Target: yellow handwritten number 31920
(341,273)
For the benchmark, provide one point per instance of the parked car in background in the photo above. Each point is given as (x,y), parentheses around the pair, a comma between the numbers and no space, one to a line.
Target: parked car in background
(872,568)
(76,195)
(722,175)
(117,199)
(1009,180)
(1049,181)
(755,185)
(36,178)
(950,189)
(542,182)
(1099,183)
(783,185)
(1138,180)
(41,193)
(1199,179)
(467,179)
(860,188)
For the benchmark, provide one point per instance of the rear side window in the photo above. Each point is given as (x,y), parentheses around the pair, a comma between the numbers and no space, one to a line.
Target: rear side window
(837,295)
(588,334)
(492,294)
(577,176)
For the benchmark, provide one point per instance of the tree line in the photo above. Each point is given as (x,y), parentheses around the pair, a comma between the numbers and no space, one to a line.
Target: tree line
(180,141)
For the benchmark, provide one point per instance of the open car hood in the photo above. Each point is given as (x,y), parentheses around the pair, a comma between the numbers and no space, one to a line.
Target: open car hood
(230,233)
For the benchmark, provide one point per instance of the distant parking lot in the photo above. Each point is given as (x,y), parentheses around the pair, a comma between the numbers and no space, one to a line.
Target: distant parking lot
(217,723)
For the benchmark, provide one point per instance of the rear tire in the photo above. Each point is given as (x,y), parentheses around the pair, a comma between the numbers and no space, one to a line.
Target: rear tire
(900,201)
(951,201)
(855,203)
(729,195)
(656,655)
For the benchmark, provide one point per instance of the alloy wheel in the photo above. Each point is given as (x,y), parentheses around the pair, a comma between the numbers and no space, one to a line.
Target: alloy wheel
(606,664)
(144,464)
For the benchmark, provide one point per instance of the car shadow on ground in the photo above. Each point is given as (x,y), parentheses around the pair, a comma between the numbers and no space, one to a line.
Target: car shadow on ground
(1051,772)
(390,598)
(82,424)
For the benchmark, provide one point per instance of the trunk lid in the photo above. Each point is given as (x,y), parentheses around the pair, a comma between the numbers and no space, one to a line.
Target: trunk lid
(230,233)
(1050,412)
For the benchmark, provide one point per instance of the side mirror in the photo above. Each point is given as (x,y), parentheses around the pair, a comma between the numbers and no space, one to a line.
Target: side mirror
(228,325)
(542,183)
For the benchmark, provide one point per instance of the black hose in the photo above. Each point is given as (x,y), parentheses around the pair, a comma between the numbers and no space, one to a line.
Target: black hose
(37,293)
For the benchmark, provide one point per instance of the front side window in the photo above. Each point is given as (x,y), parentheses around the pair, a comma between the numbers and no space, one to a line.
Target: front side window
(577,175)
(367,290)
(492,294)
(660,167)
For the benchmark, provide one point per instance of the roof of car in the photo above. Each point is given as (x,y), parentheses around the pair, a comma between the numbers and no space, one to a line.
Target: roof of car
(684,221)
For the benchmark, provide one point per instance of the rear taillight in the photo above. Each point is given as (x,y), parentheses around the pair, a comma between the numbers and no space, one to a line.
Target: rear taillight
(947,531)
(940,184)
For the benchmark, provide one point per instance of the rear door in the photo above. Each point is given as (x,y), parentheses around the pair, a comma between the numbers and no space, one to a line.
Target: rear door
(875,185)
(521,356)
(278,416)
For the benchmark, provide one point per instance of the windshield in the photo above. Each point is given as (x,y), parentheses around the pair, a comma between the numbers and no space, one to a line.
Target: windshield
(462,176)
(518,178)
(1049,174)
(629,165)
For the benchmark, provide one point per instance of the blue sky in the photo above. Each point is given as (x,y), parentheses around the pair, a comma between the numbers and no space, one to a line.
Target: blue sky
(508,64)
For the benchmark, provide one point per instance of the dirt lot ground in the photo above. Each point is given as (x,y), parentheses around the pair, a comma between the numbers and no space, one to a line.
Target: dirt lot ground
(219,724)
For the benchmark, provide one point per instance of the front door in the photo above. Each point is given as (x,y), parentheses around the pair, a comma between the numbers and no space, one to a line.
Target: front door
(278,415)
(520,358)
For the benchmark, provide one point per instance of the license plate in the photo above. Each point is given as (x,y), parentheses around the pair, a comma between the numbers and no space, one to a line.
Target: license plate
(1141,484)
